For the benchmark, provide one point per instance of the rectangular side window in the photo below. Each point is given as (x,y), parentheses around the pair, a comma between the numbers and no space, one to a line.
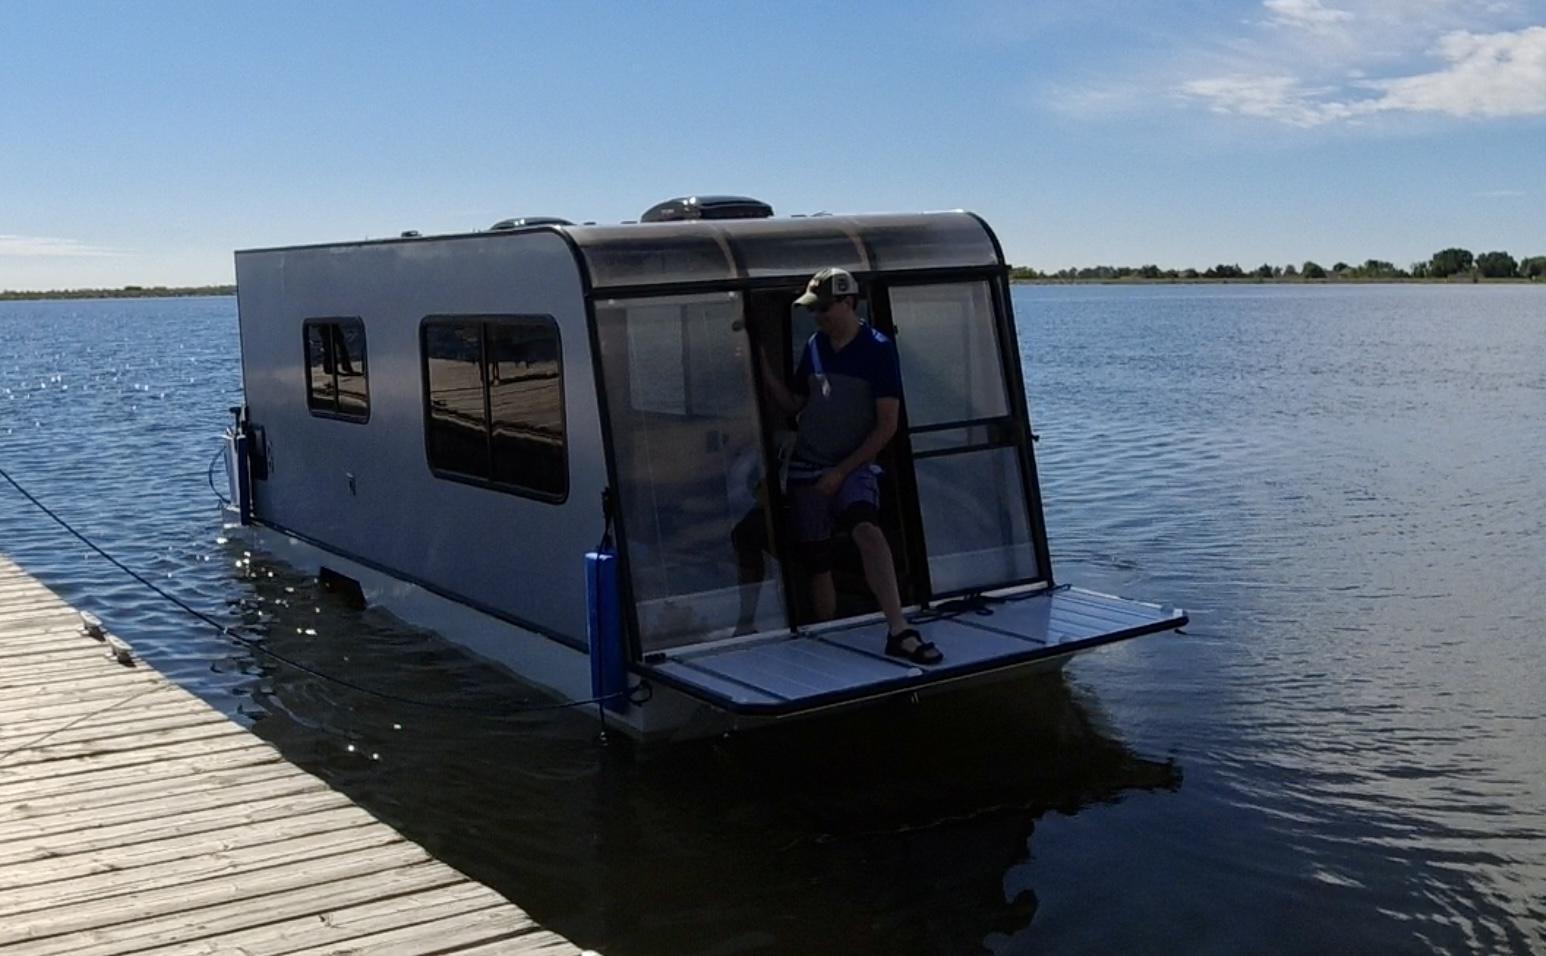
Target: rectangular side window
(458,418)
(495,415)
(336,375)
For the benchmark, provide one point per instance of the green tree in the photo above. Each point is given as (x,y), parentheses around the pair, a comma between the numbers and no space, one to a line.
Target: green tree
(1290,271)
(1533,267)
(1312,270)
(1264,271)
(1448,262)
(1496,265)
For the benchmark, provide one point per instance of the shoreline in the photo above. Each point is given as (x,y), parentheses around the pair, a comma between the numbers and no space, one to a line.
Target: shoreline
(183,292)
(125,292)
(1254,280)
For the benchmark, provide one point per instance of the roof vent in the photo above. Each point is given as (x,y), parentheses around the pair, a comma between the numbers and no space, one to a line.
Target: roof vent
(505,225)
(707,207)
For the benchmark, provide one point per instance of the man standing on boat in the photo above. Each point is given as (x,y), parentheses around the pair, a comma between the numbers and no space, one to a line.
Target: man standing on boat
(848,396)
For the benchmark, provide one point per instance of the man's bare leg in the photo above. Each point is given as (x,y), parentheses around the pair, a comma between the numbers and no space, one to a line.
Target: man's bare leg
(880,573)
(823,596)
(751,589)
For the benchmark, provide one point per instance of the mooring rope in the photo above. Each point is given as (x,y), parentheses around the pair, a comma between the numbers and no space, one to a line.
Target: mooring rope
(258,647)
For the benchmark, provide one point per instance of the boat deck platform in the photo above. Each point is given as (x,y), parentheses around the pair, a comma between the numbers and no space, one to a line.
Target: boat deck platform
(786,674)
(136,818)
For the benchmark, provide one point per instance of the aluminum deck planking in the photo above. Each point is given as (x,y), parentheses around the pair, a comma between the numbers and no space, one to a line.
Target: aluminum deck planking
(787,674)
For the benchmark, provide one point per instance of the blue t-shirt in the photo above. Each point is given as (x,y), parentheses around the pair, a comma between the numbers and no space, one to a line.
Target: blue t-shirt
(842,387)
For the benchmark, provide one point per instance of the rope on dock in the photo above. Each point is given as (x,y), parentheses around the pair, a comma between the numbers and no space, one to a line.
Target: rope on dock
(79,720)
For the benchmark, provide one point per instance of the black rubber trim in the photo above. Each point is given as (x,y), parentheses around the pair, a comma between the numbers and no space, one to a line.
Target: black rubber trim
(906,683)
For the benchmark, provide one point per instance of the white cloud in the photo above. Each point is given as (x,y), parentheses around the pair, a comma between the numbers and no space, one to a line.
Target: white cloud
(1492,74)
(1305,14)
(1281,98)
(44,246)
(1484,75)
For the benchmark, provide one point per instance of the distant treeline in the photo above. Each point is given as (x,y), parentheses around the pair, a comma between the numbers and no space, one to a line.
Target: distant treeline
(126,292)
(1447,264)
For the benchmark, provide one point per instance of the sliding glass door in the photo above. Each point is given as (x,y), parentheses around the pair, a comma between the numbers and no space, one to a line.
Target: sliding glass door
(965,444)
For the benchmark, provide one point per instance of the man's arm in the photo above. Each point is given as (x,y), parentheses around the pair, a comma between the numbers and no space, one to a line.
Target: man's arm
(887,412)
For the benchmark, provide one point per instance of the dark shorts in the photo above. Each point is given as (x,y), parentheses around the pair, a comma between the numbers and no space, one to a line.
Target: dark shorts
(817,515)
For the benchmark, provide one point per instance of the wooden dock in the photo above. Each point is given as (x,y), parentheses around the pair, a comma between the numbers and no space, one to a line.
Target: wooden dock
(136,818)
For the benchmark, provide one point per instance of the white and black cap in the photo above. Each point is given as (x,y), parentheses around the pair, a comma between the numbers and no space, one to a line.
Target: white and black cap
(826,285)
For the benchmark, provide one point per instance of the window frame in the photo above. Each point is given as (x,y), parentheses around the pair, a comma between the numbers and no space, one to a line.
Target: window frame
(483,320)
(333,326)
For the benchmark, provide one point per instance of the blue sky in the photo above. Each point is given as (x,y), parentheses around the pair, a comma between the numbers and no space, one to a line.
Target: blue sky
(143,142)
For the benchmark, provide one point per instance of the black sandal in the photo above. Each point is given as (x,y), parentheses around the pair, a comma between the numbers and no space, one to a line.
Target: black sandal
(922,653)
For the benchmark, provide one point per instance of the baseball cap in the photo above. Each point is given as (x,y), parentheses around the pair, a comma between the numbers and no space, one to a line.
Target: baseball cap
(826,285)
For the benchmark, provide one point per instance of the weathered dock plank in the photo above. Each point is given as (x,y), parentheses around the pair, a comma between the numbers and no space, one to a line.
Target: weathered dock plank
(136,818)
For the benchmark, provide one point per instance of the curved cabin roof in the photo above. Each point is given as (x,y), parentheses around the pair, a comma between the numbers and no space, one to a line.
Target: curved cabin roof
(729,250)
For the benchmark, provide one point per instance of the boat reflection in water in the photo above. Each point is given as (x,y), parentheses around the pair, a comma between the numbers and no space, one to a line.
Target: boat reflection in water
(889,828)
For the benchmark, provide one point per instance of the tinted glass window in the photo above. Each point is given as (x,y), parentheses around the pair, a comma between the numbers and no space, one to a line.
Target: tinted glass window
(691,469)
(336,379)
(458,419)
(319,370)
(349,369)
(526,404)
(781,247)
(494,386)
(947,339)
(974,519)
(929,241)
(653,253)
(657,379)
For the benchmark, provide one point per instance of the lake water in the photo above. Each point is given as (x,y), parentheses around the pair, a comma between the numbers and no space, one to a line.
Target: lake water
(1347,751)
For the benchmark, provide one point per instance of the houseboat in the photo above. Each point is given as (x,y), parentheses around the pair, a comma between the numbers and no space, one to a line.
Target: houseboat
(554,445)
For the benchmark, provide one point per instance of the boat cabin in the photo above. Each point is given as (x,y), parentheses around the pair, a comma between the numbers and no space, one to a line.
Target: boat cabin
(556,444)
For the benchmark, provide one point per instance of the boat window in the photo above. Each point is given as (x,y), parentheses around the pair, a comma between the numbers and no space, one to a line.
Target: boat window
(798,247)
(974,519)
(691,472)
(526,405)
(948,345)
(495,415)
(458,423)
(929,241)
(336,377)
(656,254)
(964,437)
